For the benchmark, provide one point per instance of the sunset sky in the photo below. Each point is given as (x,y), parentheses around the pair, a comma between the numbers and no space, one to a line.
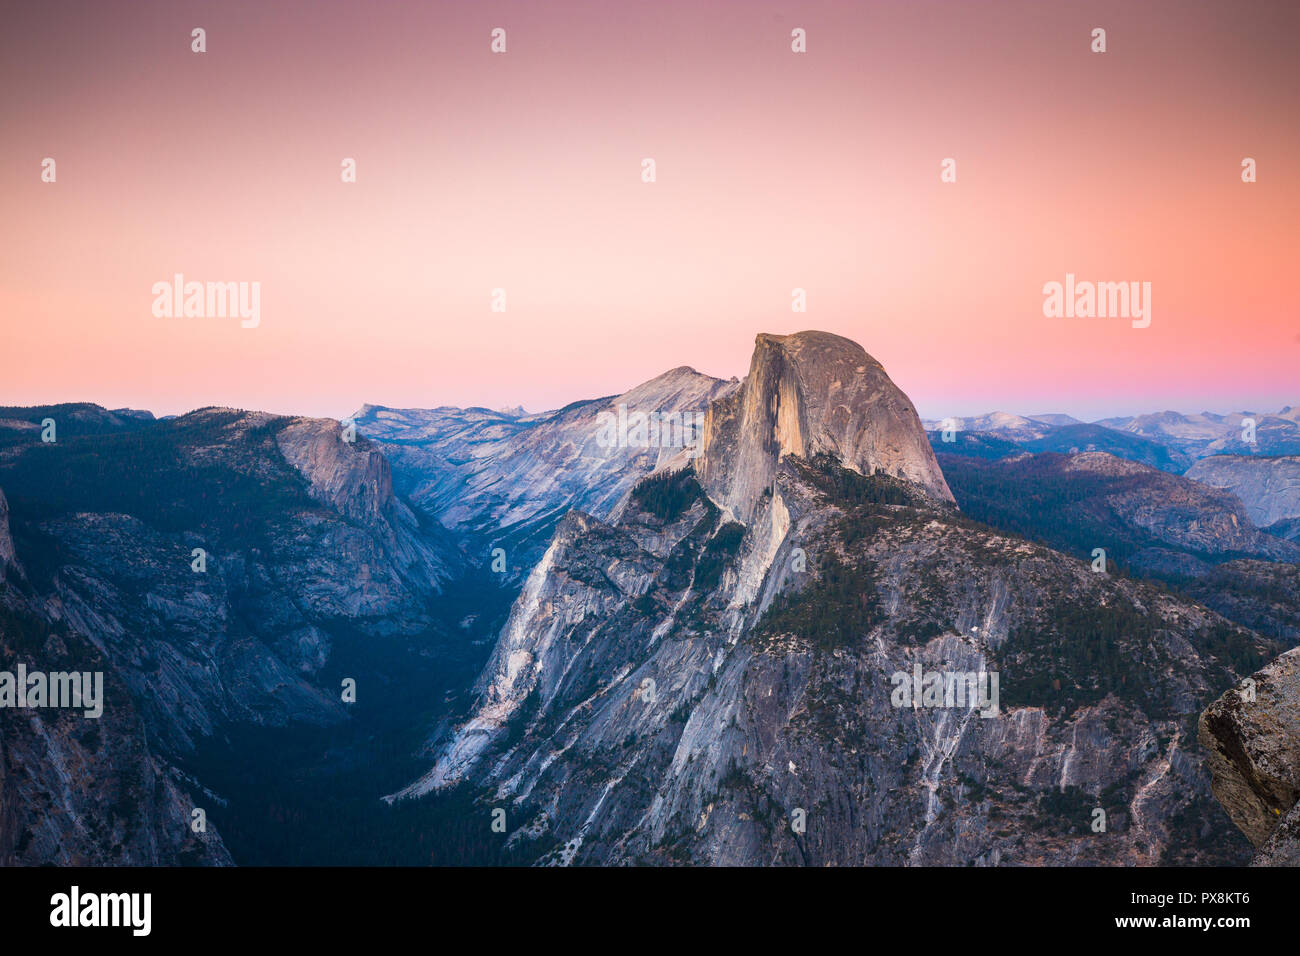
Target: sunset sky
(522,171)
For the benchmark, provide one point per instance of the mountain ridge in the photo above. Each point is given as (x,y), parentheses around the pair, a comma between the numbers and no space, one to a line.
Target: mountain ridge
(676,680)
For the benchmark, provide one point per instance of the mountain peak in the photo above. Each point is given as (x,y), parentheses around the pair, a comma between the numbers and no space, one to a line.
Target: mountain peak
(806,394)
(680,388)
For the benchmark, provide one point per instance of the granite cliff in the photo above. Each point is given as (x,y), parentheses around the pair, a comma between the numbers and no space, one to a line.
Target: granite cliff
(710,673)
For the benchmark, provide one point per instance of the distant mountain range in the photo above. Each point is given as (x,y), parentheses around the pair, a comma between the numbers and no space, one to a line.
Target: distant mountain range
(1264,474)
(1170,441)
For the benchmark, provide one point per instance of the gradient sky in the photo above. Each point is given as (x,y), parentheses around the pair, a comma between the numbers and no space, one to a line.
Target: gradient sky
(522,171)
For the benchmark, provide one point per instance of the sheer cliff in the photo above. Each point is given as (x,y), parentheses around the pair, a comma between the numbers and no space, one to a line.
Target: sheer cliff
(222,570)
(807,394)
(712,673)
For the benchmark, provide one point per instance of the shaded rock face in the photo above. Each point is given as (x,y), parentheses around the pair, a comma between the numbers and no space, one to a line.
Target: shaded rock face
(808,394)
(1287,529)
(1282,848)
(355,480)
(506,479)
(76,791)
(6,538)
(1269,487)
(304,547)
(1254,757)
(678,686)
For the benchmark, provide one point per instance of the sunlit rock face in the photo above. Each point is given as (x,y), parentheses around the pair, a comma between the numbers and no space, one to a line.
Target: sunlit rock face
(807,394)
(505,478)
(1268,487)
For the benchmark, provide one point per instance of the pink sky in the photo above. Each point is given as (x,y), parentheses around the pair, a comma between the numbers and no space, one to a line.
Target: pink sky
(522,171)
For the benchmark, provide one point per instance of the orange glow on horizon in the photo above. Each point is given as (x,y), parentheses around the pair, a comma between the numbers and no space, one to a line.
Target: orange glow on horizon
(522,172)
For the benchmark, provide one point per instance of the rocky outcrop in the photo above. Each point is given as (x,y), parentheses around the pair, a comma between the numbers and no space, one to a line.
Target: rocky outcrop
(353,477)
(1269,487)
(676,686)
(1252,737)
(1282,848)
(6,537)
(807,394)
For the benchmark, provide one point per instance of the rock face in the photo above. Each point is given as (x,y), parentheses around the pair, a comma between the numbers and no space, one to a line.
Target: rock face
(506,479)
(1282,848)
(76,791)
(1269,487)
(215,567)
(1254,757)
(808,394)
(6,538)
(354,479)
(676,685)
(357,481)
